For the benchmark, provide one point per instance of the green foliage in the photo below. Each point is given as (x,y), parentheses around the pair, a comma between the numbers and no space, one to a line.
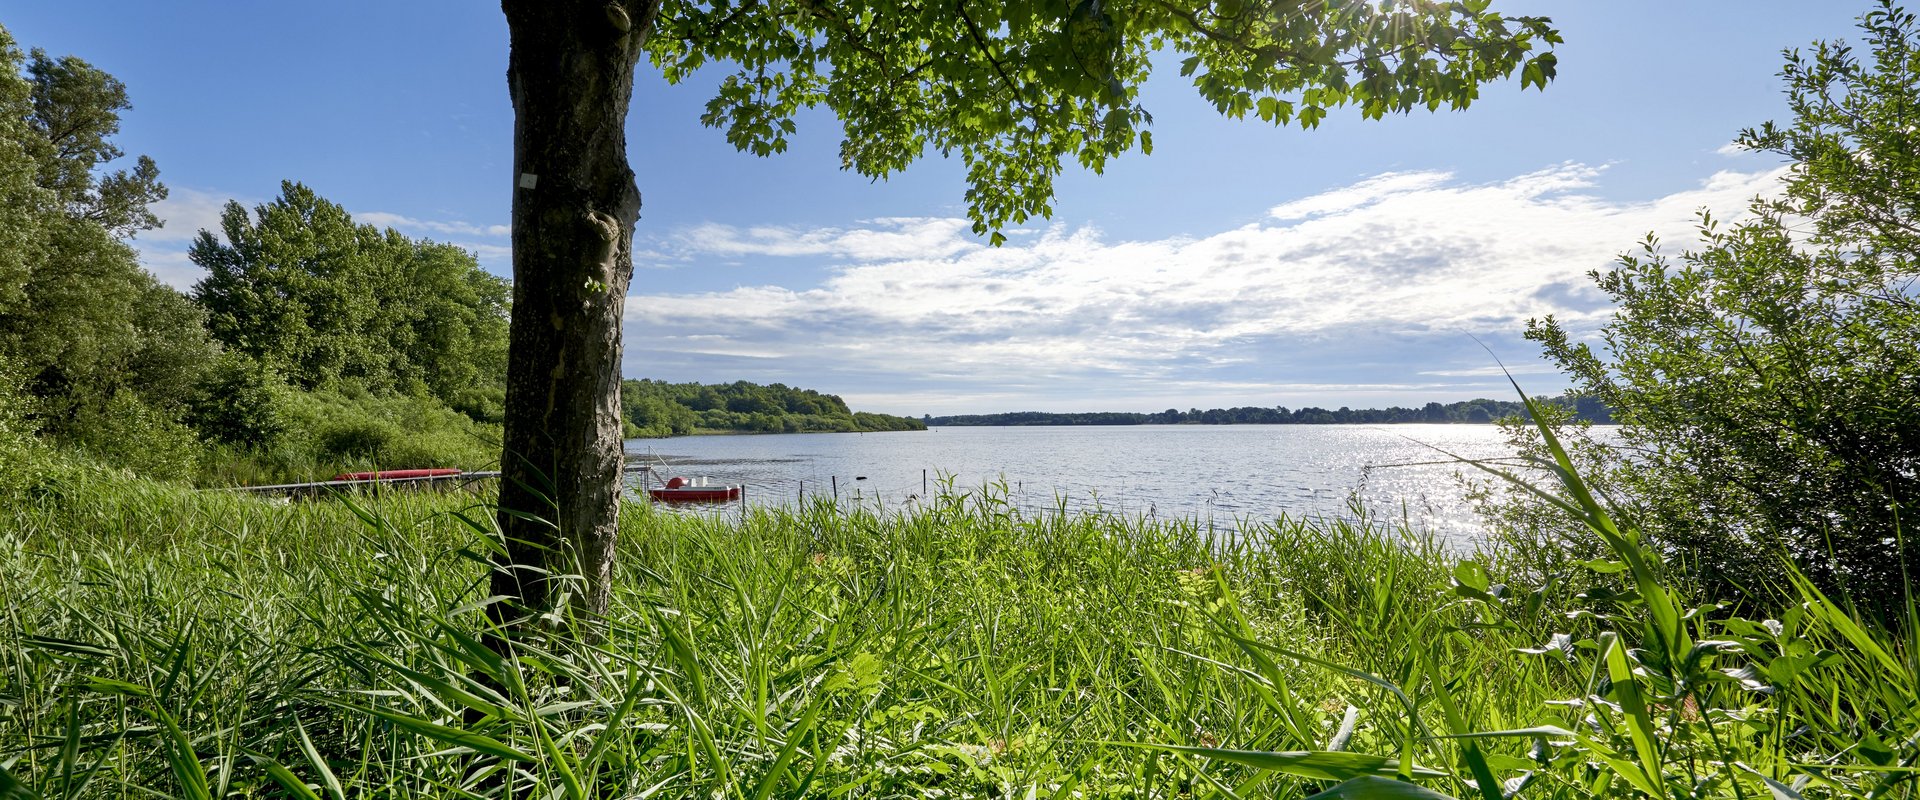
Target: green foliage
(25,205)
(129,434)
(239,403)
(956,648)
(658,408)
(109,355)
(76,112)
(327,432)
(1016,89)
(1768,383)
(304,290)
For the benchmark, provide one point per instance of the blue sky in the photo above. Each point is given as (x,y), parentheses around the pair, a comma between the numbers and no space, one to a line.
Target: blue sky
(1240,264)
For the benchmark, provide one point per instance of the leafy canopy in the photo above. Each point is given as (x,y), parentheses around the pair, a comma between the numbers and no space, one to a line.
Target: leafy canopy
(1017,88)
(1768,382)
(300,287)
(94,337)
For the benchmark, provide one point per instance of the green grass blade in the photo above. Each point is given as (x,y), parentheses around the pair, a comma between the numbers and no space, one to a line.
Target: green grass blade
(187,770)
(777,772)
(1319,764)
(1639,719)
(285,777)
(328,780)
(12,789)
(1369,787)
(479,743)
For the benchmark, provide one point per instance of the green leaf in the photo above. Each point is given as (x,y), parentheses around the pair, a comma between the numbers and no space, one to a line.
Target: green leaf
(285,777)
(12,789)
(114,687)
(1537,730)
(1320,764)
(186,766)
(1626,689)
(479,743)
(327,778)
(1369,787)
(1780,791)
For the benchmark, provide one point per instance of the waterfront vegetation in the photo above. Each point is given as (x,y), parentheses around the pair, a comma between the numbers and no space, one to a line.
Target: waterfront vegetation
(1722,610)
(205,644)
(652,408)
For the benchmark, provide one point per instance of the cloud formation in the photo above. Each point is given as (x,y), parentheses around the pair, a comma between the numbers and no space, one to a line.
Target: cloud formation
(1363,294)
(1341,294)
(451,228)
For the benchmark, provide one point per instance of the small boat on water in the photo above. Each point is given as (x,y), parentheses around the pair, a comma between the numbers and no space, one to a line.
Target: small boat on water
(683,490)
(396,474)
(678,489)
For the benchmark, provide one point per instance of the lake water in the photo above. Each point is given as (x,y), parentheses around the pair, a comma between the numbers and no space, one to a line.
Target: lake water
(1210,472)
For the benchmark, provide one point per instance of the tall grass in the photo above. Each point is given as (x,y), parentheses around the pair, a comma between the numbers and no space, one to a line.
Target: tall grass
(158,642)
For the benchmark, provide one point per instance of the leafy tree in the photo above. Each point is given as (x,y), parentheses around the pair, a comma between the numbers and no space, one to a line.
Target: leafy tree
(293,287)
(25,205)
(239,403)
(1014,90)
(91,330)
(302,289)
(1768,382)
(76,110)
(658,408)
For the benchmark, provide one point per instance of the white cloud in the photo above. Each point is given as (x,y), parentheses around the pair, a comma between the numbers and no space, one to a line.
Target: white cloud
(1494,371)
(883,239)
(448,227)
(1360,194)
(1397,258)
(185,212)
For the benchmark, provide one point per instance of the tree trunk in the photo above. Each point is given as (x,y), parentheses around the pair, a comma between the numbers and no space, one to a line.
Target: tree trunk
(575,204)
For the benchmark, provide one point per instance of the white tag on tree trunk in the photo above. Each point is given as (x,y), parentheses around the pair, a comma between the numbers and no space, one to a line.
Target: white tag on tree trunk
(528,179)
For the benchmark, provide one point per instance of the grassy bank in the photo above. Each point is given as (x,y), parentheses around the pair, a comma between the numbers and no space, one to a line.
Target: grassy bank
(205,645)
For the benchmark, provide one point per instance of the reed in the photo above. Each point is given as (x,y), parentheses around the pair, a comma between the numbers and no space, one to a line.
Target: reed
(161,642)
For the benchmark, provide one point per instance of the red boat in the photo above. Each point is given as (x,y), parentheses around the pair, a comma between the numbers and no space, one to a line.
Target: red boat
(395,474)
(681,490)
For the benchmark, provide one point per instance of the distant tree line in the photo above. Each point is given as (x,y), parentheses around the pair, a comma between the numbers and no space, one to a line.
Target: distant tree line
(1467,411)
(657,408)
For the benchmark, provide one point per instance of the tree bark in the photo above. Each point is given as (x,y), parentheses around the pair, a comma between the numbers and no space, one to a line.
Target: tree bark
(570,73)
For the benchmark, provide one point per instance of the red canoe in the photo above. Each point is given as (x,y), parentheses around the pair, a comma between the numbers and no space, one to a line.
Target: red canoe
(395,474)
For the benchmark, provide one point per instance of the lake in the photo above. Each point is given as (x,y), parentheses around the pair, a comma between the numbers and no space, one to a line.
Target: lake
(1209,472)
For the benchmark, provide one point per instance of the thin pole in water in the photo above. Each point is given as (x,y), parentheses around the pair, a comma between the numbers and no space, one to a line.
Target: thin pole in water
(923,483)
(836,488)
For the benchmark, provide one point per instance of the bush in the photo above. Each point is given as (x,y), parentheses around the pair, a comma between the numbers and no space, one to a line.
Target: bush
(333,431)
(239,402)
(1768,383)
(133,436)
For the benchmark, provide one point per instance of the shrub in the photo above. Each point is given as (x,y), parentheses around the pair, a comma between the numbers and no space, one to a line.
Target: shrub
(1768,383)
(133,436)
(239,402)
